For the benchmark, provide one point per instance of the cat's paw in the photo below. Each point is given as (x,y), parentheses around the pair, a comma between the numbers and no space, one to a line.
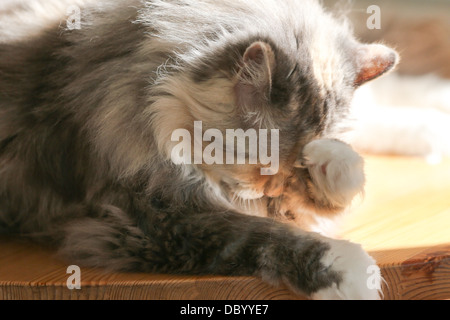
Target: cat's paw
(336,170)
(360,276)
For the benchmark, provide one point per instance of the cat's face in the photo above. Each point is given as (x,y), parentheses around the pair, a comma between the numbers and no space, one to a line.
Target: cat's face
(300,83)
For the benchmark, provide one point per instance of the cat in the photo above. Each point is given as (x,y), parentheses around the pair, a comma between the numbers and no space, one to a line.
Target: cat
(87,115)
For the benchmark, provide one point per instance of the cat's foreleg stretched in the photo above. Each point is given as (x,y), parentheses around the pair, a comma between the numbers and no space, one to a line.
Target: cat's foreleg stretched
(328,176)
(221,243)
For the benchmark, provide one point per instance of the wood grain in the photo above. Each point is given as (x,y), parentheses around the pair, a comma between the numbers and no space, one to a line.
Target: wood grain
(404,221)
(32,272)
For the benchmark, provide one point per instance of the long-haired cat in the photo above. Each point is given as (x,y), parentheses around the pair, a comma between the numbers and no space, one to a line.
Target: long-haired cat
(86,120)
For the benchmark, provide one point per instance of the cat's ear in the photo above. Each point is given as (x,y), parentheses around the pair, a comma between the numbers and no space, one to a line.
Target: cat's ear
(254,79)
(372,61)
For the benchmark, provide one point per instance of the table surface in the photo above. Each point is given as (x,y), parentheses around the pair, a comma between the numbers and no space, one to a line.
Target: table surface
(403,221)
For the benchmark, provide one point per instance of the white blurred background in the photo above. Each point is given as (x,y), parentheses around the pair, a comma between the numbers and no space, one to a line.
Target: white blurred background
(407,112)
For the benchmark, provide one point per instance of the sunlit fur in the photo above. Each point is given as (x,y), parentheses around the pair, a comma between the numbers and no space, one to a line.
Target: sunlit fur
(86,118)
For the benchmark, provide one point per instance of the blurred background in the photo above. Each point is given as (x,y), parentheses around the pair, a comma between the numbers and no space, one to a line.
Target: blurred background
(407,112)
(418,29)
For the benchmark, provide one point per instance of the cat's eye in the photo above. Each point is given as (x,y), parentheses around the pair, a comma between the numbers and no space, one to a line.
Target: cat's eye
(292,72)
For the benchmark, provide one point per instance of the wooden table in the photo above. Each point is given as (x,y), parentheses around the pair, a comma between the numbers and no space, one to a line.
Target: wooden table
(404,221)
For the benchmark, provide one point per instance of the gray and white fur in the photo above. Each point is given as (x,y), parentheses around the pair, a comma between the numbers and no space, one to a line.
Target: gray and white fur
(86,118)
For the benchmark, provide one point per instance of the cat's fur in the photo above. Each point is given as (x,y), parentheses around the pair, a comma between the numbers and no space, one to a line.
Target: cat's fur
(86,118)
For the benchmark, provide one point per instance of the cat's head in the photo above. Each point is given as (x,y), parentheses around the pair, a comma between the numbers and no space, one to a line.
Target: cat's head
(287,65)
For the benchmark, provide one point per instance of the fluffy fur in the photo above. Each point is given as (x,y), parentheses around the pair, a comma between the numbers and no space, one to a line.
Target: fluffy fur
(86,118)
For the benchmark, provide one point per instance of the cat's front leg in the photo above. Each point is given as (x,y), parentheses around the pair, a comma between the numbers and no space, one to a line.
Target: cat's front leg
(360,275)
(222,243)
(336,173)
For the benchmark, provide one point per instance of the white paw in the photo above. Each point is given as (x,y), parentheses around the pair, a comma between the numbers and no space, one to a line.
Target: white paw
(361,277)
(337,171)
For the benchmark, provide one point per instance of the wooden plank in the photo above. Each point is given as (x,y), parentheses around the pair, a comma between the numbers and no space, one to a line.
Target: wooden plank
(416,273)
(404,221)
(32,272)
